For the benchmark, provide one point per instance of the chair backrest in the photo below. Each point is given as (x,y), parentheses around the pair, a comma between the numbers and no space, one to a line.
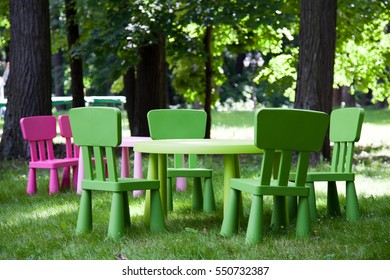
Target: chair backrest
(39,131)
(288,131)
(345,129)
(66,132)
(178,124)
(97,130)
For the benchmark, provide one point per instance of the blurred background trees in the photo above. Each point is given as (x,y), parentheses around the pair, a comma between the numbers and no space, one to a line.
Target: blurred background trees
(208,54)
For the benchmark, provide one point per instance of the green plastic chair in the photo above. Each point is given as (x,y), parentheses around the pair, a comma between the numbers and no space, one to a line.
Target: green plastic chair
(184,124)
(345,128)
(284,131)
(98,130)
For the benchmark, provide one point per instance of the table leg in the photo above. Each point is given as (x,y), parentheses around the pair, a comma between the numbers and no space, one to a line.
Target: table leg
(125,173)
(157,170)
(231,170)
(162,175)
(137,171)
(80,175)
(181,181)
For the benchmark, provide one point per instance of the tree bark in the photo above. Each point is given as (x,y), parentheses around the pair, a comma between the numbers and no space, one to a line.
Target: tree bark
(348,99)
(57,59)
(129,81)
(151,89)
(317,44)
(30,72)
(58,73)
(76,65)
(209,78)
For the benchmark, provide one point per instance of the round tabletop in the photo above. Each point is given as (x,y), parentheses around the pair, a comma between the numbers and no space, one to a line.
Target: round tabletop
(198,146)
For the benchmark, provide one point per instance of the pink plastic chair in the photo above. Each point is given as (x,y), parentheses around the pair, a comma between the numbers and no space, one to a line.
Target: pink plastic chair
(40,131)
(72,151)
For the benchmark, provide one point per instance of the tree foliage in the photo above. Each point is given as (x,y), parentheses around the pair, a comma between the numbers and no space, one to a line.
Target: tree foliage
(363,47)
(113,31)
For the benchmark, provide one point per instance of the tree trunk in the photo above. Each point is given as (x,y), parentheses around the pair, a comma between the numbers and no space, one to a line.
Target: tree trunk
(30,72)
(317,44)
(58,73)
(337,97)
(76,66)
(151,89)
(129,91)
(209,78)
(348,98)
(57,61)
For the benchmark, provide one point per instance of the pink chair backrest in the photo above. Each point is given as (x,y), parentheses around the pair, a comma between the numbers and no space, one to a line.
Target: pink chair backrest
(39,131)
(65,129)
(66,132)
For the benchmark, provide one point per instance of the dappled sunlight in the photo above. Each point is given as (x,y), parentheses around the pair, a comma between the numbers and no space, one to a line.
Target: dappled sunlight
(375,135)
(39,214)
(366,186)
(137,209)
(232,133)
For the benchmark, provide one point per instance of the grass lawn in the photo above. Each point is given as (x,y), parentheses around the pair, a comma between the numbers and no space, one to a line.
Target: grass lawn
(43,226)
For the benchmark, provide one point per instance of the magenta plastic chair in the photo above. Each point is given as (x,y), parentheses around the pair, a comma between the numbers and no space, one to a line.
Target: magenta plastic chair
(72,151)
(40,131)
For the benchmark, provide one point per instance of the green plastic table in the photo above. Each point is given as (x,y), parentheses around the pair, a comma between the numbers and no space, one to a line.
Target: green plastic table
(158,150)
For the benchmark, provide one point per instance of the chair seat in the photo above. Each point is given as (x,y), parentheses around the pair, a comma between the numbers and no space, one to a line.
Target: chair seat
(253,186)
(326,177)
(54,163)
(124,184)
(189,172)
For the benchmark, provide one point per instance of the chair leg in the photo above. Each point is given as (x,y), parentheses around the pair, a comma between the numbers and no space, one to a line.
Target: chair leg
(32,182)
(333,204)
(208,200)
(352,209)
(312,201)
(75,176)
(292,205)
(126,210)
(137,171)
(181,184)
(65,181)
(197,196)
(84,220)
(279,214)
(169,194)
(116,224)
(303,227)
(230,220)
(254,232)
(54,185)
(157,221)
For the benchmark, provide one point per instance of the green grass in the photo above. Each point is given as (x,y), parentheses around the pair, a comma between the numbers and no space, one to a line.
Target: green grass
(43,226)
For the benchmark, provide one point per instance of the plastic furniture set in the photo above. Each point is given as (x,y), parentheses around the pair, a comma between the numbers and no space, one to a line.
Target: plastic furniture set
(285,137)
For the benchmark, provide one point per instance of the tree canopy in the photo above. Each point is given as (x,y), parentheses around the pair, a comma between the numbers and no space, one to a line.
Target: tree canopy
(113,31)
